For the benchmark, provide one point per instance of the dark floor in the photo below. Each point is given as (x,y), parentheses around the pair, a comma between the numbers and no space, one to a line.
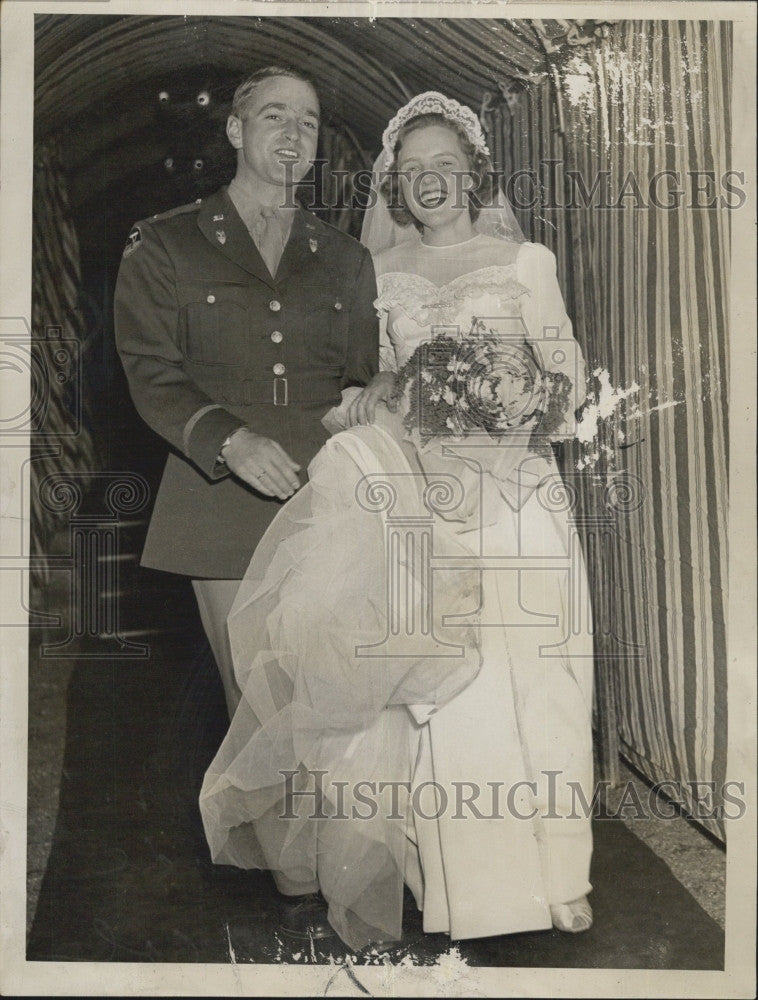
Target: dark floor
(124,873)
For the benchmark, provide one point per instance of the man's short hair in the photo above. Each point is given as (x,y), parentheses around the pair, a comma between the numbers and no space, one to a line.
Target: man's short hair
(248,87)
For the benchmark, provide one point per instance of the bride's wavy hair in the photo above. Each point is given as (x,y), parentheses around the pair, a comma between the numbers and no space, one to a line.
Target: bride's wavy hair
(479,165)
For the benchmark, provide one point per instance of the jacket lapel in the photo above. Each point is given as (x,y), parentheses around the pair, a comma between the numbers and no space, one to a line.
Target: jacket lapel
(222,226)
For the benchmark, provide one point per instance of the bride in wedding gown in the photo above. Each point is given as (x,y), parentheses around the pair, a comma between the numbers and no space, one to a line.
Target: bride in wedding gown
(416,672)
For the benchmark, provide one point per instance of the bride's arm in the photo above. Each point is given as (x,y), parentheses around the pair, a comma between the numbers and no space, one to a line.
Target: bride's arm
(387,358)
(359,405)
(381,389)
(550,331)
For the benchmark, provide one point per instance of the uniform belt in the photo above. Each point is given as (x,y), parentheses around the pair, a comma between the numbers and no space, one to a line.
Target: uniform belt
(276,390)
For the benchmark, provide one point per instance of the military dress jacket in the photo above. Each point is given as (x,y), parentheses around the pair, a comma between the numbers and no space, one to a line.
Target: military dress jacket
(211,342)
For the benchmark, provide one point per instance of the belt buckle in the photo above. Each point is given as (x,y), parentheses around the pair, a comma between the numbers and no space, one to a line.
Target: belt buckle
(281,392)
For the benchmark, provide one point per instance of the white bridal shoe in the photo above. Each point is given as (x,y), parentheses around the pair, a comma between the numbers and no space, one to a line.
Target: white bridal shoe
(573,917)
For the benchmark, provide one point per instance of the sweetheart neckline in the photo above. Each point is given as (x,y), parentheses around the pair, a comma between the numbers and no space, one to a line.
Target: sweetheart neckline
(446,284)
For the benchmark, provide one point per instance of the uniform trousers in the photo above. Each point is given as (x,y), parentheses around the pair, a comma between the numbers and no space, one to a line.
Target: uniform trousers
(214,600)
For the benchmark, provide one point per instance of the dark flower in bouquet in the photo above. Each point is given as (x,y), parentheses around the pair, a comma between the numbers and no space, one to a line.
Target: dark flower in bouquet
(459,386)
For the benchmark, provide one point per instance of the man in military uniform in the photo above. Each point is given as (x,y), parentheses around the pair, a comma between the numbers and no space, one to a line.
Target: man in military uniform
(238,321)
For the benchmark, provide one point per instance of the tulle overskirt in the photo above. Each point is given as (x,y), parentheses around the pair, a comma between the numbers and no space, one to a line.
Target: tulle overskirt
(313,777)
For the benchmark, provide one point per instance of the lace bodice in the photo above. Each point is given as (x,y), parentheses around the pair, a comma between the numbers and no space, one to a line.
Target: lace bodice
(517,298)
(428,304)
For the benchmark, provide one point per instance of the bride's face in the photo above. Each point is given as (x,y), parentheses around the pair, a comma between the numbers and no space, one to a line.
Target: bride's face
(434,175)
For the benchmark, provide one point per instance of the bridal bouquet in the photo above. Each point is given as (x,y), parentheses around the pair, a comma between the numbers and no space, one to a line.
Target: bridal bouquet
(482,404)
(458,387)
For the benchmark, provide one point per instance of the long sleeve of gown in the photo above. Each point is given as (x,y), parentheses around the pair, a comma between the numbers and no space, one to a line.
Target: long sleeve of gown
(387,357)
(550,332)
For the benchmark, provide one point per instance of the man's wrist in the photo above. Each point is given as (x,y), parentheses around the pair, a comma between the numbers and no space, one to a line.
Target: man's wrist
(221,452)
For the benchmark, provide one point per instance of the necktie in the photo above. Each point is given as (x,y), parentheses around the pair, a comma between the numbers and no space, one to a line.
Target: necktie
(269,238)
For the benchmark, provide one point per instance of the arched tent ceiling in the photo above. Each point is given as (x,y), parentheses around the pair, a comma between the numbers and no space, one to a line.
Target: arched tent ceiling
(81,58)
(98,76)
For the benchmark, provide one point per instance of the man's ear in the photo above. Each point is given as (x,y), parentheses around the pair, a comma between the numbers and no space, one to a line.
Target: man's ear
(234,131)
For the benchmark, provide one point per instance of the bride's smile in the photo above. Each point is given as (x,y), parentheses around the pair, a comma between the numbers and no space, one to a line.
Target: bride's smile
(434,170)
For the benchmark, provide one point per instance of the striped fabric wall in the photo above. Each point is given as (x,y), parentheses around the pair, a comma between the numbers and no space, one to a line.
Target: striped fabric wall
(647,288)
(60,440)
(344,158)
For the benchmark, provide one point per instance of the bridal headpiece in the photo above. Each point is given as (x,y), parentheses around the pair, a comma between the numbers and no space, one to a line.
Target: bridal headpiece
(380,231)
(429,103)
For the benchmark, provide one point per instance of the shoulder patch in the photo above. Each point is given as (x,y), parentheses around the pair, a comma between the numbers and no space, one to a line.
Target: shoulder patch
(133,241)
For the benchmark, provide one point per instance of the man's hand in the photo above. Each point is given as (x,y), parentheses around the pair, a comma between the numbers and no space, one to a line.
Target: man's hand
(381,389)
(262,463)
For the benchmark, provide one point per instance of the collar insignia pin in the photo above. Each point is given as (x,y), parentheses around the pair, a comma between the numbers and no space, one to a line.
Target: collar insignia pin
(218,218)
(221,236)
(313,244)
